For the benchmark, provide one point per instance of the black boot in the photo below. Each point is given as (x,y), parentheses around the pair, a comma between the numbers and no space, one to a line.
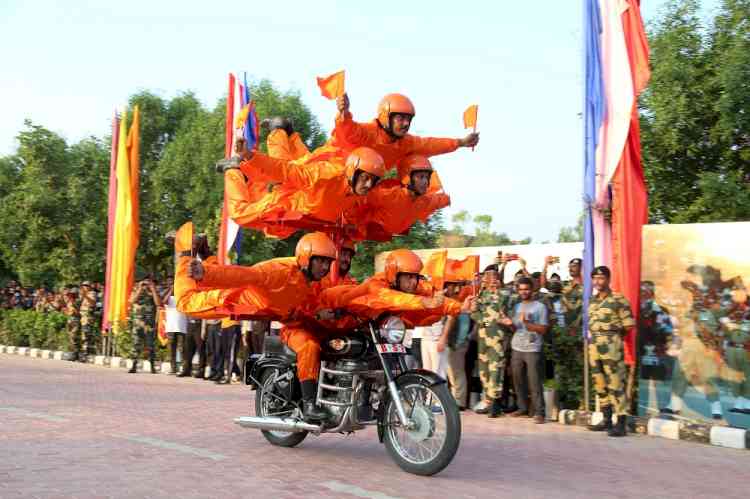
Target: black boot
(496,409)
(310,411)
(606,423)
(619,429)
(134,369)
(184,374)
(153,366)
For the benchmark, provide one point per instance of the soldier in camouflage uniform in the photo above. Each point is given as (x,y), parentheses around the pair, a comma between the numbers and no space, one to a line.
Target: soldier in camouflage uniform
(610,317)
(88,322)
(487,310)
(71,309)
(144,301)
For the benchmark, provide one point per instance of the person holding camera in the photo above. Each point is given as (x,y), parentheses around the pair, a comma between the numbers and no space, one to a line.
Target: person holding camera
(144,301)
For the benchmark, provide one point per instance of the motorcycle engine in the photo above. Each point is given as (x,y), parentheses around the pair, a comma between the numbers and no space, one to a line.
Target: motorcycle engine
(343,381)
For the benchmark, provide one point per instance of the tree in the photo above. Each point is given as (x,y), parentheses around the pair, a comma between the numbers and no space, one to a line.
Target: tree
(694,120)
(421,235)
(53,196)
(35,213)
(572,234)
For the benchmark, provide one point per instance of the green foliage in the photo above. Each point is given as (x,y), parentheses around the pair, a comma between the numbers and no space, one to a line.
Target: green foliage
(53,196)
(457,236)
(572,234)
(695,128)
(26,328)
(421,235)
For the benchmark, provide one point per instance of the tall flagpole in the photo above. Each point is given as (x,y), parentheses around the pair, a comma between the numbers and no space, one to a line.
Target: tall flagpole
(112,200)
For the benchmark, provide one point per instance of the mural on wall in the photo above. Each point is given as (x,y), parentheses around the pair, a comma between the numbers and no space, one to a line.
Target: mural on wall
(694,333)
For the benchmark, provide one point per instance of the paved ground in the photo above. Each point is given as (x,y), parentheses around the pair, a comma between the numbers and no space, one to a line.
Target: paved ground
(73,430)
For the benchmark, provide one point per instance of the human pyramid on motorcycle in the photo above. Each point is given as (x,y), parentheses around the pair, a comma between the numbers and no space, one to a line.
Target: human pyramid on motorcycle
(339,193)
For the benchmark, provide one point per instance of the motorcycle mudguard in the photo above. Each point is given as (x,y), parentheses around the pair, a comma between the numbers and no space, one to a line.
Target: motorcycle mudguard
(250,369)
(263,363)
(421,376)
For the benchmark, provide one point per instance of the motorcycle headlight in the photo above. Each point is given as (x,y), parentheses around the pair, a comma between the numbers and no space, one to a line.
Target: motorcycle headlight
(393,330)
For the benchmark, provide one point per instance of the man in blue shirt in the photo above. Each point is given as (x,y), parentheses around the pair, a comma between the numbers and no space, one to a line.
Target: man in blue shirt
(529,323)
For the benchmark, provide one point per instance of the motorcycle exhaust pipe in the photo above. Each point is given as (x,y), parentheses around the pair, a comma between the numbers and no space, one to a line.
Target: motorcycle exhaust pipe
(276,424)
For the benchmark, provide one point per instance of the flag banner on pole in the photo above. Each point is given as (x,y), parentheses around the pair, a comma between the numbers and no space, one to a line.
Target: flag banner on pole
(112,206)
(616,61)
(241,121)
(126,231)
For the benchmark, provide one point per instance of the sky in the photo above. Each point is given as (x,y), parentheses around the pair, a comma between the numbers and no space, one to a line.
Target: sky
(68,65)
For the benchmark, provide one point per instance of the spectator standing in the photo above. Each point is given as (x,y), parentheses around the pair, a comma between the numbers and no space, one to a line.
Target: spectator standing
(529,323)
(227,354)
(143,302)
(176,326)
(88,319)
(71,309)
(456,340)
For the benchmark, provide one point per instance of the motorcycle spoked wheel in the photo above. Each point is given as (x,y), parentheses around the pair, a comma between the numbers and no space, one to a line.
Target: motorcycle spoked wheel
(266,405)
(430,446)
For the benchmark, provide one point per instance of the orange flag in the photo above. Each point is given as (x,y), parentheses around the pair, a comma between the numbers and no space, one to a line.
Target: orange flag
(161,327)
(435,268)
(462,270)
(470,117)
(332,86)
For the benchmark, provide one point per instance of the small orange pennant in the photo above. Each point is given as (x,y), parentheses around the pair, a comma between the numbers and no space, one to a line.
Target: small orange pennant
(434,268)
(470,116)
(332,86)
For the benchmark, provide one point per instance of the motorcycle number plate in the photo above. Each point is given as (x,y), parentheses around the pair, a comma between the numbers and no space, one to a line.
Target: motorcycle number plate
(389,348)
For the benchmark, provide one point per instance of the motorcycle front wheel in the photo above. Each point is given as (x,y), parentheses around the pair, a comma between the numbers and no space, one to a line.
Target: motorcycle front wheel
(431,443)
(269,403)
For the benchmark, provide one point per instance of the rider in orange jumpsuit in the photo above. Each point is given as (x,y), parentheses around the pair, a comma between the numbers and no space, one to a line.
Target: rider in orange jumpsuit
(283,142)
(397,204)
(398,289)
(281,289)
(388,133)
(320,192)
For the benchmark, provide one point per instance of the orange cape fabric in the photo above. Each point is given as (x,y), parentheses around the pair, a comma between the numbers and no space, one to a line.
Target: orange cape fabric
(275,289)
(349,135)
(310,196)
(394,208)
(375,297)
(282,146)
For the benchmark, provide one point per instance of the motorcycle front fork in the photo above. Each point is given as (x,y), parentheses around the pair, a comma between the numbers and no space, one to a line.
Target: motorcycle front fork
(392,388)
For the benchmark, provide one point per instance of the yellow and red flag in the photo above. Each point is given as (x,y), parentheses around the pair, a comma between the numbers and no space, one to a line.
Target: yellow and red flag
(332,86)
(125,232)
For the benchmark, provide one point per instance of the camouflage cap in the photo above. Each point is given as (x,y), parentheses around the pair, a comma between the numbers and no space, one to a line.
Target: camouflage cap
(601,270)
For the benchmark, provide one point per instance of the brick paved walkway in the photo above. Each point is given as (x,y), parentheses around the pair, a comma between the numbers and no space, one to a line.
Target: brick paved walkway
(73,430)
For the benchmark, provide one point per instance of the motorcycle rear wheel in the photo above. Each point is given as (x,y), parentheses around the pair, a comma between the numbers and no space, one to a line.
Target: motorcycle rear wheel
(263,403)
(429,447)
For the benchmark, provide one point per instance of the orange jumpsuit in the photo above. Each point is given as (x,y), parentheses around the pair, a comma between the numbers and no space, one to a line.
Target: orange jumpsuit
(395,208)
(275,289)
(349,134)
(375,297)
(307,197)
(282,146)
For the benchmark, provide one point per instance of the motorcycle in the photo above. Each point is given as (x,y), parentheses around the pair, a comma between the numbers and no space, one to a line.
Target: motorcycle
(364,381)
